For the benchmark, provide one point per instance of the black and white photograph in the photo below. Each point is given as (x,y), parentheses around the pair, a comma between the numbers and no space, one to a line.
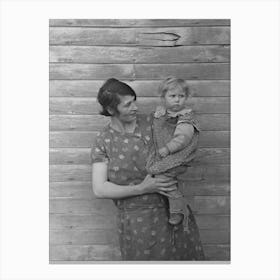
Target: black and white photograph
(139,139)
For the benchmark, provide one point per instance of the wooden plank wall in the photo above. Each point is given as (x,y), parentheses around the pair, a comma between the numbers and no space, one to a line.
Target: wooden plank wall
(83,53)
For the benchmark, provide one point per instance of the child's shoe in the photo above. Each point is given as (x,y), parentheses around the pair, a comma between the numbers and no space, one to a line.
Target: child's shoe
(175,218)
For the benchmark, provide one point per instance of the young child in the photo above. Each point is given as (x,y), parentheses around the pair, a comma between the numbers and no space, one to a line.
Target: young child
(175,137)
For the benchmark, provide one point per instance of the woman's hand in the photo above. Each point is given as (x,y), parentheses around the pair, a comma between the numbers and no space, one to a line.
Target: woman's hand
(161,184)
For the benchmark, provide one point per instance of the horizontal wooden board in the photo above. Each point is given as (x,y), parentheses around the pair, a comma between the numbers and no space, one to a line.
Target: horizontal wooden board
(90,237)
(193,71)
(214,139)
(164,36)
(138,22)
(87,88)
(217,252)
(206,187)
(93,221)
(83,189)
(97,54)
(84,253)
(110,236)
(109,253)
(204,71)
(212,156)
(62,173)
(200,205)
(65,139)
(90,71)
(89,106)
(77,122)
(207,173)
(210,204)
(103,221)
(77,206)
(69,156)
(205,156)
(217,222)
(97,122)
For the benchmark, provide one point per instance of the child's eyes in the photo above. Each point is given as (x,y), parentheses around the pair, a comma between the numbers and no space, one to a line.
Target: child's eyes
(173,96)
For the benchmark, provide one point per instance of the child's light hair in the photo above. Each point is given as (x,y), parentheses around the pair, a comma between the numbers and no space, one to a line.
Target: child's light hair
(171,83)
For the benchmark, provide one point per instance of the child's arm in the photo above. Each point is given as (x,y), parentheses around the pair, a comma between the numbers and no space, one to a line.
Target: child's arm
(182,137)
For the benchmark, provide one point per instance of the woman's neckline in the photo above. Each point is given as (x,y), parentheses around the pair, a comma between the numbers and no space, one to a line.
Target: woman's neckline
(123,132)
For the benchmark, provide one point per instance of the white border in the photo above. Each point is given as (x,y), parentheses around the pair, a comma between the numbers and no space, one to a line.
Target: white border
(255,138)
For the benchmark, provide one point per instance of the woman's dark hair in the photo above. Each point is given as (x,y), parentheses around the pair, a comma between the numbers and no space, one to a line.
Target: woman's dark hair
(109,95)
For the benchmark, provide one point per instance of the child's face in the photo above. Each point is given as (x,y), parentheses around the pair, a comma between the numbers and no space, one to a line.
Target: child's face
(174,99)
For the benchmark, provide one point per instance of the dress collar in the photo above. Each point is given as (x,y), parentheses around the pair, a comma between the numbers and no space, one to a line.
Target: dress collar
(136,130)
(161,111)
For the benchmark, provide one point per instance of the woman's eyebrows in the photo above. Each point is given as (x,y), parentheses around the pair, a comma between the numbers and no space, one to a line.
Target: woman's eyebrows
(128,102)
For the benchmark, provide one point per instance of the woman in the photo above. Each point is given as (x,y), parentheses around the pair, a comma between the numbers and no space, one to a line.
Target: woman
(119,157)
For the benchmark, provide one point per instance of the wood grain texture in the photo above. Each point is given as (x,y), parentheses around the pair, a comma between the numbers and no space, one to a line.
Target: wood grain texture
(83,189)
(143,88)
(138,22)
(97,253)
(93,54)
(110,253)
(211,204)
(192,71)
(90,71)
(164,36)
(61,173)
(94,221)
(207,173)
(140,52)
(102,221)
(84,253)
(217,252)
(110,236)
(85,139)
(89,106)
(206,187)
(216,222)
(205,156)
(78,206)
(219,205)
(206,122)
(93,236)
(199,71)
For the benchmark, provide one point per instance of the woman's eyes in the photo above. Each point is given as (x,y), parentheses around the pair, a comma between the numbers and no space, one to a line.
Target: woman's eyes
(128,104)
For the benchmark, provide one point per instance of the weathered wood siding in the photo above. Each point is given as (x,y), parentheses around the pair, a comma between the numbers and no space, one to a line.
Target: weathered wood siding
(83,53)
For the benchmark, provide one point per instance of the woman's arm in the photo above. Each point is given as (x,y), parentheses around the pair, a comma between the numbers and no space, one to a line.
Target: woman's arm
(102,188)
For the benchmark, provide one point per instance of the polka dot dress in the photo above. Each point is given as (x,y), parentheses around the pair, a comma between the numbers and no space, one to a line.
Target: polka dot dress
(144,231)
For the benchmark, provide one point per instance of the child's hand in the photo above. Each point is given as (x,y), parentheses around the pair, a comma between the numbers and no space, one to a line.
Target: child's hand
(163,152)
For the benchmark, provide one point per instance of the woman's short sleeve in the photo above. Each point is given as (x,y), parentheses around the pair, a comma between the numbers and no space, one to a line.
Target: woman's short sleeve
(98,151)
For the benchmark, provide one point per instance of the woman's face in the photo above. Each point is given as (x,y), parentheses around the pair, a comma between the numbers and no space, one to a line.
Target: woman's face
(127,109)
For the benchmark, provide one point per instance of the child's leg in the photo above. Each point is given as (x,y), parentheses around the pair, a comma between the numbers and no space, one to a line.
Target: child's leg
(176,207)
(177,203)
